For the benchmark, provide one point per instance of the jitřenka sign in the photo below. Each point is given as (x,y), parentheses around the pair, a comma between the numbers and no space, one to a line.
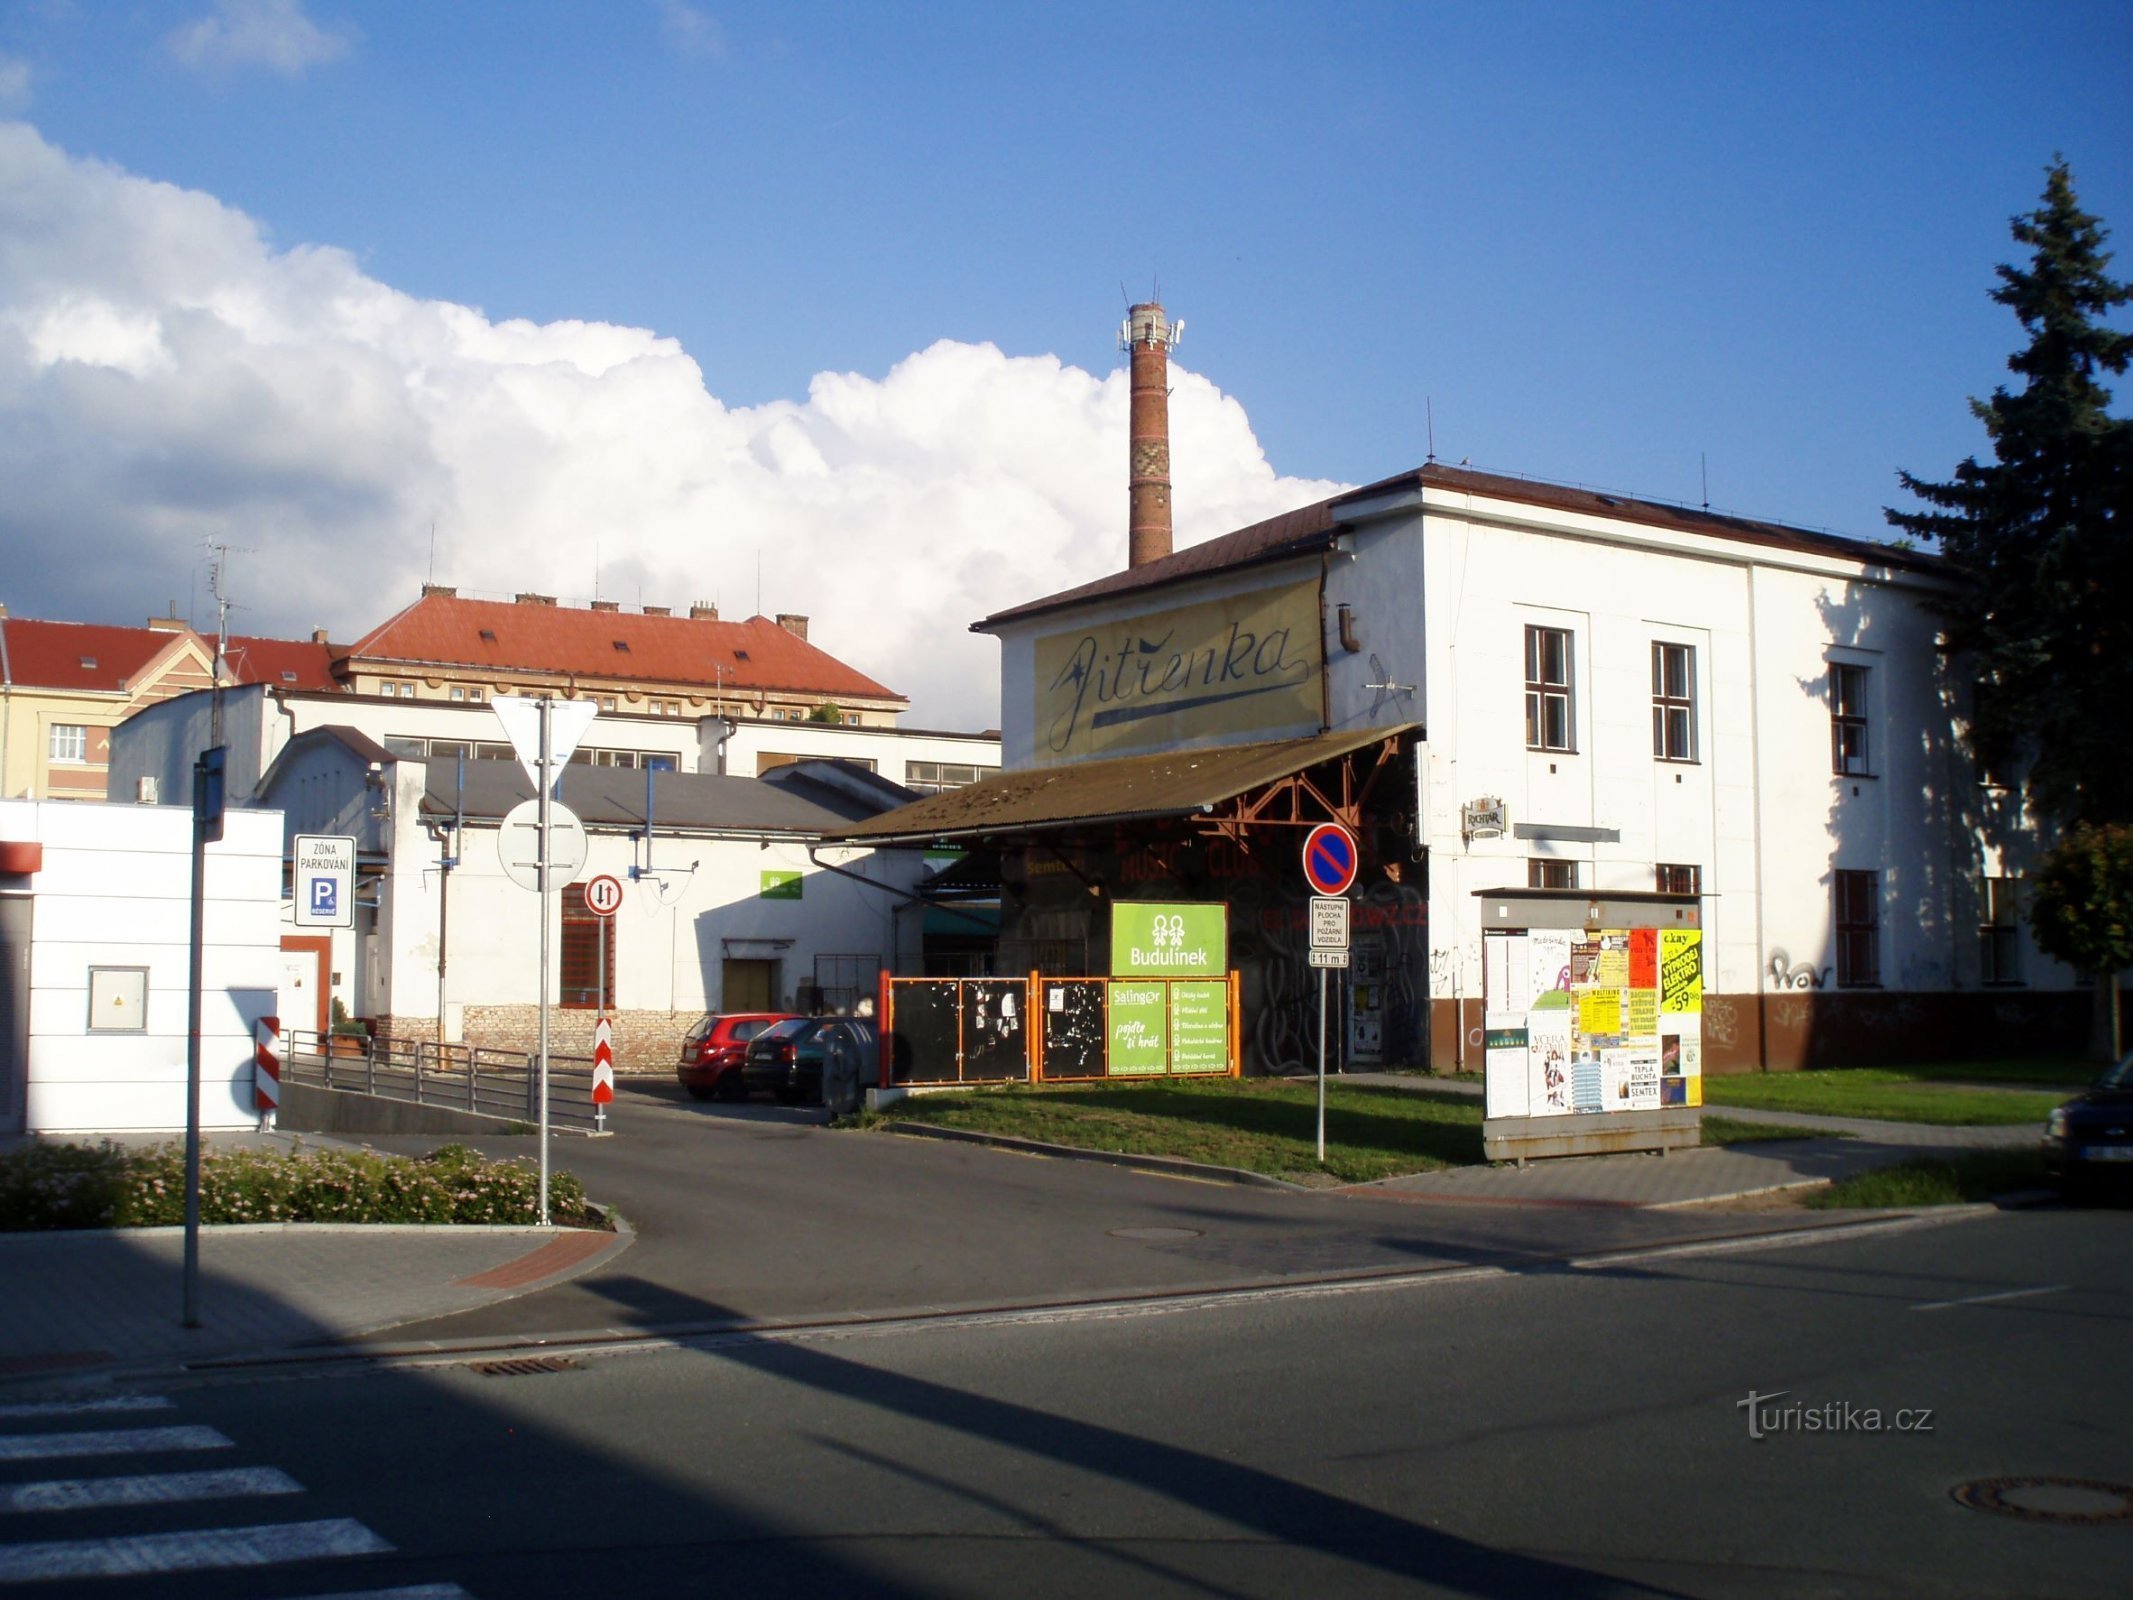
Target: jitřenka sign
(1243,665)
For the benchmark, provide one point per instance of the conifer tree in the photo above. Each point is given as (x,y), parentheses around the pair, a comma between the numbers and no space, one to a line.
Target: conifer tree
(2040,534)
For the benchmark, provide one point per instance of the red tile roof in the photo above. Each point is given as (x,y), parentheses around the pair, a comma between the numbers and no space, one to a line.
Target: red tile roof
(281,663)
(83,656)
(1316,526)
(748,657)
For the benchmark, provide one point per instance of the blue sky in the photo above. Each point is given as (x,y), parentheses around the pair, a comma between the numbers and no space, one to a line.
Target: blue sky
(1601,242)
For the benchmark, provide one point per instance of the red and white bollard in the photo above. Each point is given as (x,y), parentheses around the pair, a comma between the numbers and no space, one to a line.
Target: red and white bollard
(266,1071)
(603,1085)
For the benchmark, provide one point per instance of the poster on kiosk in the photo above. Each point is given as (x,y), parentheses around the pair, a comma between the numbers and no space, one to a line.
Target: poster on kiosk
(1584,1022)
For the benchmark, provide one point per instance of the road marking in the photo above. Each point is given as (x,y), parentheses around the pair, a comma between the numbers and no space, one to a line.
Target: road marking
(114,1442)
(1988,1299)
(81,1408)
(189,1552)
(80,1494)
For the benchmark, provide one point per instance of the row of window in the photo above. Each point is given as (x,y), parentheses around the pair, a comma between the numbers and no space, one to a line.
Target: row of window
(1856,913)
(482,750)
(1551,721)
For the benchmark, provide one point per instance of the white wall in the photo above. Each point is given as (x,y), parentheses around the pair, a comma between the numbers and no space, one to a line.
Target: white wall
(115,890)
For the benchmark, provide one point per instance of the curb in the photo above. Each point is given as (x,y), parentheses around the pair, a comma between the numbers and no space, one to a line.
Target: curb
(1165,1166)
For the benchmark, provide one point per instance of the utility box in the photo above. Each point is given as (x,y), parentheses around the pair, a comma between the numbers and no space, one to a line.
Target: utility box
(1592,1022)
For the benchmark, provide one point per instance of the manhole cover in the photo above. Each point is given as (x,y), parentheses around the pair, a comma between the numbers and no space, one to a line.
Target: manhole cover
(524,1367)
(1155,1233)
(2065,1500)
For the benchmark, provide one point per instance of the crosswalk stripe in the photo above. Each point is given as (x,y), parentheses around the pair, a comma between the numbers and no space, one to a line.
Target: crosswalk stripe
(110,1442)
(165,1488)
(80,1408)
(189,1552)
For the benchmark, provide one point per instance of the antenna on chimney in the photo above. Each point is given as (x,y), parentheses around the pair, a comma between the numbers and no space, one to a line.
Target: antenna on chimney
(1429,421)
(1704,462)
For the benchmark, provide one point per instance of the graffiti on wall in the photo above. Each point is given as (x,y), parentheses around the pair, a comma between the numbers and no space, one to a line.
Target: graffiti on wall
(1785,973)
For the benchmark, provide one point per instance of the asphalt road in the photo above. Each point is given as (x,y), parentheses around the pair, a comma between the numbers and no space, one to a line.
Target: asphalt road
(1549,1431)
(760,1214)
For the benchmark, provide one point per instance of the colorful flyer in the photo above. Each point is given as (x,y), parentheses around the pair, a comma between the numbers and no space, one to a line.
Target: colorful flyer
(1681,970)
(1548,1063)
(1644,958)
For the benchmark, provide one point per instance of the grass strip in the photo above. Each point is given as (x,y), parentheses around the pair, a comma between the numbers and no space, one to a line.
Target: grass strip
(1883,1094)
(1936,1181)
(1730,1130)
(1264,1125)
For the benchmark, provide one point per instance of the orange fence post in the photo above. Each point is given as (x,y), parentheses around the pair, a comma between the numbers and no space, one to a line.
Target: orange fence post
(1033,1042)
(885,1009)
(1236,1025)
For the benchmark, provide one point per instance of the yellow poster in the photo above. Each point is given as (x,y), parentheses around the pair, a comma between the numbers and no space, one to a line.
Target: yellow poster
(1611,971)
(1242,665)
(1681,970)
(1643,1014)
(1599,1012)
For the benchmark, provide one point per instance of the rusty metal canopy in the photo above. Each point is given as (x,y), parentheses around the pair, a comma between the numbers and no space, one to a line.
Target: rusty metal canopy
(1172,783)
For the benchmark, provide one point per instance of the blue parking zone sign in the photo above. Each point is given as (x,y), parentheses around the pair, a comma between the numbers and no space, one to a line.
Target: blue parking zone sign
(322,880)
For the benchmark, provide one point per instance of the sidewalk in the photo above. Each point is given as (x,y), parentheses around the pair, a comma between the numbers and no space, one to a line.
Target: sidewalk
(92,1299)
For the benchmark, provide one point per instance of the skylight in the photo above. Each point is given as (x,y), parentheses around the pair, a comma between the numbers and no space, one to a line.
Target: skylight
(622,645)
(488,635)
(88,663)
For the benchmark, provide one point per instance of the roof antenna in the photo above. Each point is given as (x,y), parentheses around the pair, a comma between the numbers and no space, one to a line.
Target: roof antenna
(1703,462)
(433,550)
(1429,414)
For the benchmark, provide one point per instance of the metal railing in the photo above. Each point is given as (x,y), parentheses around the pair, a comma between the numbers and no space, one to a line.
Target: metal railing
(490,1083)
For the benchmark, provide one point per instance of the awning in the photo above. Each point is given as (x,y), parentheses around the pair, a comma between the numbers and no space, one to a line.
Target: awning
(1174,783)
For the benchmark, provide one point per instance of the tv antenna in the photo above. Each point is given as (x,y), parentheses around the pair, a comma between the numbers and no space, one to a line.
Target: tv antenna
(1383,686)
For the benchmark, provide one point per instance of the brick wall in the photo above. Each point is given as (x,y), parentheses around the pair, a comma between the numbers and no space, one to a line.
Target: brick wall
(645,1041)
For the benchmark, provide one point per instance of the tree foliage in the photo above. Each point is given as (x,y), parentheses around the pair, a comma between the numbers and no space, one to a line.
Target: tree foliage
(2081,906)
(828,711)
(2045,616)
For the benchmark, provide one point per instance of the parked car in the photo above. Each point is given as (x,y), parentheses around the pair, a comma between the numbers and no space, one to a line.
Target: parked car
(2088,1142)
(802,1056)
(711,1054)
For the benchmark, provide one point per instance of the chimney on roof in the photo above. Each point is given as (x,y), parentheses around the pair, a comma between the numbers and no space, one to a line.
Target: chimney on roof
(318,635)
(442,591)
(607,605)
(659,611)
(795,625)
(1148,336)
(703,611)
(536,599)
(166,625)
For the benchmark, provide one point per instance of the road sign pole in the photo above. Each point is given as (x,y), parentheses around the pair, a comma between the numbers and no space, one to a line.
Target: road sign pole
(540,874)
(1322,975)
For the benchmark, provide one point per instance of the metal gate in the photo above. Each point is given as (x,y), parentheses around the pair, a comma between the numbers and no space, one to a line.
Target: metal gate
(1057,1030)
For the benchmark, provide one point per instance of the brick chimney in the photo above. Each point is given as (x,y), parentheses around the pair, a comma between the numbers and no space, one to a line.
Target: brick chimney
(659,611)
(318,636)
(792,624)
(535,599)
(607,605)
(703,611)
(1148,336)
(442,591)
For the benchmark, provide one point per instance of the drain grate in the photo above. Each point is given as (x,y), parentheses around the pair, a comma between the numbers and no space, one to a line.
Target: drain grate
(2070,1501)
(523,1366)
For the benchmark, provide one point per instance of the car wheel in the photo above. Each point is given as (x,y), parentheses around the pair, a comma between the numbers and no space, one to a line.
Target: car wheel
(730,1087)
(697,1091)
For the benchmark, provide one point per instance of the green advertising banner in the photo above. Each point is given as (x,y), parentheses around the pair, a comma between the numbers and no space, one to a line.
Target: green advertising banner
(1199,1027)
(779,885)
(1139,1042)
(1155,940)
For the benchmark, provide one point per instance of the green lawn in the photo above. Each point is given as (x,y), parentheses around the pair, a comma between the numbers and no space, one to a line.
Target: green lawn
(1889,1094)
(1265,1125)
(1937,1181)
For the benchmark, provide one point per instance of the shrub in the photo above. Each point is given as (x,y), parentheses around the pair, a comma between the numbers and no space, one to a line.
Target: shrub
(81,1186)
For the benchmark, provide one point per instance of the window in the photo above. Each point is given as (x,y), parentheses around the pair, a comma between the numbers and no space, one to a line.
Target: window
(69,742)
(583,986)
(1847,719)
(1673,702)
(1999,934)
(1858,908)
(937,777)
(1548,725)
(476,696)
(1551,874)
(607,702)
(1675,879)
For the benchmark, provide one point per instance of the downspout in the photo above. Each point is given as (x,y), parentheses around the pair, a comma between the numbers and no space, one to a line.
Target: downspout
(1755,790)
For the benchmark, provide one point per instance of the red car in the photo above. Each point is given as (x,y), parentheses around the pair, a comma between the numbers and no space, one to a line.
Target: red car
(711,1054)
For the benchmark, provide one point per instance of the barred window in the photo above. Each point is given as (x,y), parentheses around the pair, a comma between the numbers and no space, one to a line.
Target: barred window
(1676,879)
(1541,874)
(582,983)
(1858,918)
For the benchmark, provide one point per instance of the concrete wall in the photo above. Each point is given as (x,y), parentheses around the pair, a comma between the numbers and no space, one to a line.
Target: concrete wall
(115,891)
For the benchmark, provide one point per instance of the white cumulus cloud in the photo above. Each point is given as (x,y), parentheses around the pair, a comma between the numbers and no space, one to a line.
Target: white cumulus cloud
(689,31)
(275,34)
(168,380)
(14,83)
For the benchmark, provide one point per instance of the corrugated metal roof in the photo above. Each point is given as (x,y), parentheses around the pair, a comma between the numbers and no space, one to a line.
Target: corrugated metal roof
(1315,527)
(756,656)
(692,802)
(1165,785)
